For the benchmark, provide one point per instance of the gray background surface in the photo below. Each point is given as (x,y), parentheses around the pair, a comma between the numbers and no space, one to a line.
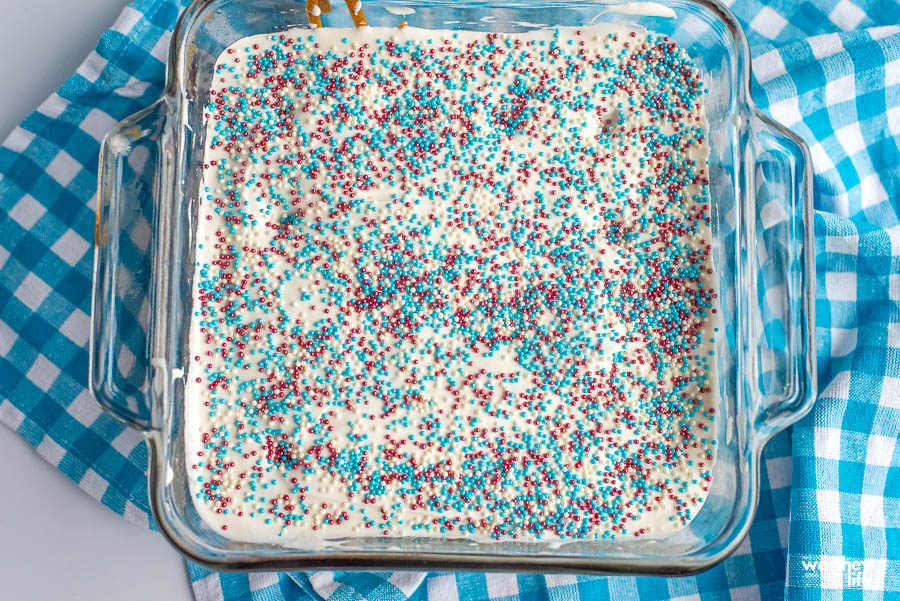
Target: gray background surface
(57,543)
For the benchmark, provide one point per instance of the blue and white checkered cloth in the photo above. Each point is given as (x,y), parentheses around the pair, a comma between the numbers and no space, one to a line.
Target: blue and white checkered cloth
(828,523)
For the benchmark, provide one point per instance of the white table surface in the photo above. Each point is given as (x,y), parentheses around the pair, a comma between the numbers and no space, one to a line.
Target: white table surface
(57,543)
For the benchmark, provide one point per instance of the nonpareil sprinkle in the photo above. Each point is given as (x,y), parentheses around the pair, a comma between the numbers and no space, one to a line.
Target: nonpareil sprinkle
(453,284)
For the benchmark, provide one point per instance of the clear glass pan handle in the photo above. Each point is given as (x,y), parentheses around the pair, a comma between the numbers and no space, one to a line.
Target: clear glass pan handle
(781,269)
(129,183)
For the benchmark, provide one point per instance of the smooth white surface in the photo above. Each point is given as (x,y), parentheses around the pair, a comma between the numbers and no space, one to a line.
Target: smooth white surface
(42,42)
(55,541)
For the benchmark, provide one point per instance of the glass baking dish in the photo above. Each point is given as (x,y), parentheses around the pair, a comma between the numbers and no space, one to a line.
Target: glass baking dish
(149,182)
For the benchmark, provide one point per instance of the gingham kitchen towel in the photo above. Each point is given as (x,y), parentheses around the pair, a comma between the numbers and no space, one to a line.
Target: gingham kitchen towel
(828,523)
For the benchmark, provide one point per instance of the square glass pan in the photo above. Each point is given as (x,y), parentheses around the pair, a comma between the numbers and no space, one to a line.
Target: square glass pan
(150,177)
